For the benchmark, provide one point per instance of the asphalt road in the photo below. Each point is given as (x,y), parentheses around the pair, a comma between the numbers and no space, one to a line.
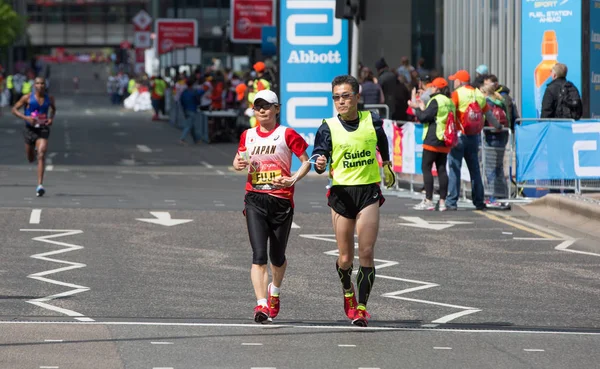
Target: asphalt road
(87,284)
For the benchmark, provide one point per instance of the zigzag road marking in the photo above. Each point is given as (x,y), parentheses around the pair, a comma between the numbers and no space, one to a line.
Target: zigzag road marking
(41,276)
(465,310)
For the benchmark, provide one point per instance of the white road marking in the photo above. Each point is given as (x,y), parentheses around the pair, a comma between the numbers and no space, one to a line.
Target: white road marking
(564,246)
(294,225)
(417,222)
(263,367)
(206,164)
(442,348)
(115,124)
(317,206)
(220,172)
(536,239)
(219,204)
(154,176)
(465,310)
(118,177)
(251,344)
(49,367)
(163,218)
(41,276)
(143,148)
(509,233)
(35,216)
(161,343)
(162,367)
(362,367)
(534,350)
(51,155)
(85,319)
(280,326)
(54,340)
(346,345)
(170,200)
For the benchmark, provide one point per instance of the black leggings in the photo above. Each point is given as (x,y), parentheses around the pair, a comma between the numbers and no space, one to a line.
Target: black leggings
(269,219)
(439,158)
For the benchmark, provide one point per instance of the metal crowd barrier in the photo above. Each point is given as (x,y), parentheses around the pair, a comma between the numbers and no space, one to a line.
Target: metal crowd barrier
(382,109)
(568,184)
(495,159)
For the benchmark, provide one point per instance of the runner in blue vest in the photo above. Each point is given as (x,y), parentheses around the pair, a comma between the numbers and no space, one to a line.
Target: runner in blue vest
(38,117)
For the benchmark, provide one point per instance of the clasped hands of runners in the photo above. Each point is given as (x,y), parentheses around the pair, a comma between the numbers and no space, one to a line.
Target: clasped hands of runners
(282,181)
(34,121)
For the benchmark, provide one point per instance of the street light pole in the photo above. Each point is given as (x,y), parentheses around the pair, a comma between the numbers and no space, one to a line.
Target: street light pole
(355,44)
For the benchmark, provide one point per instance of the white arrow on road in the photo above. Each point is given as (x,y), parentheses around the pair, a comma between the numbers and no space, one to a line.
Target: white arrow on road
(164,218)
(417,222)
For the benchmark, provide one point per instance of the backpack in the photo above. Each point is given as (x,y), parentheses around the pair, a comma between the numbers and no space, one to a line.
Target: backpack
(473,121)
(450,133)
(499,114)
(569,105)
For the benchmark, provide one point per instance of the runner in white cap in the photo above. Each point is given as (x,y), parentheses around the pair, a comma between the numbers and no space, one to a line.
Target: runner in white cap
(266,150)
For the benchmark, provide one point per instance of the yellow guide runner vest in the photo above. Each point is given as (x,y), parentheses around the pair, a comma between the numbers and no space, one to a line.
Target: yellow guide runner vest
(354,154)
(9,82)
(131,86)
(445,106)
(159,87)
(466,96)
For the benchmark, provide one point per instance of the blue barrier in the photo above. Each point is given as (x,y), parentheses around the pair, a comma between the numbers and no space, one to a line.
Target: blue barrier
(557,150)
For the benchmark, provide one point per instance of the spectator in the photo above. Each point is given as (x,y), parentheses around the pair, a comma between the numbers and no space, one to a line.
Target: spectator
(480,74)
(371,91)
(189,101)
(561,98)
(496,141)
(511,107)
(405,68)
(421,68)
(395,93)
(468,145)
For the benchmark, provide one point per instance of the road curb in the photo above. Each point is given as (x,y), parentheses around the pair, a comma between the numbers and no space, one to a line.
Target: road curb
(579,212)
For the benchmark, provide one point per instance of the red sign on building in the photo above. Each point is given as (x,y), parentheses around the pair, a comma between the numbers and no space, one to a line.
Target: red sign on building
(175,33)
(248,17)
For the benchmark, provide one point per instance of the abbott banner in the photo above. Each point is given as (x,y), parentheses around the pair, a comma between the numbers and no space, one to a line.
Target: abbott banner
(557,150)
(313,50)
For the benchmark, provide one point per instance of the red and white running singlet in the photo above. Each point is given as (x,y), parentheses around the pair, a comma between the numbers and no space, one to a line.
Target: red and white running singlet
(271,157)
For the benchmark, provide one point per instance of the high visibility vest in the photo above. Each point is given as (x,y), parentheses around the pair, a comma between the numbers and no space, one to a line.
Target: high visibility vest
(466,96)
(131,86)
(9,82)
(354,154)
(445,106)
(264,85)
(27,85)
(159,87)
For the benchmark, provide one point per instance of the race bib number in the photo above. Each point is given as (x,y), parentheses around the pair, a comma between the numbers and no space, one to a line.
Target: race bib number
(262,178)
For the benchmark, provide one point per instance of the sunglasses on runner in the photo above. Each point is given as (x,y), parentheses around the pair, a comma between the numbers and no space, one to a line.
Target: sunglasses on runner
(345,96)
(263,106)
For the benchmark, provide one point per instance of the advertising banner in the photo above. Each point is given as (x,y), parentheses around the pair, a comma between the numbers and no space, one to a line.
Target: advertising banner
(594,98)
(313,50)
(248,17)
(175,33)
(557,150)
(412,148)
(269,41)
(551,32)
(397,150)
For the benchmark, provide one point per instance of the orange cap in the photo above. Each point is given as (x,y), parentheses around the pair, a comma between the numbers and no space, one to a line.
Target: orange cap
(549,44)
(462,75)
(259,67)
(438,82)
(240,90)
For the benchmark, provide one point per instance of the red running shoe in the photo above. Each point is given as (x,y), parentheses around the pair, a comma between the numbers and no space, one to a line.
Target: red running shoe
(350,303)
(273,303)
(361,316)
(261,314)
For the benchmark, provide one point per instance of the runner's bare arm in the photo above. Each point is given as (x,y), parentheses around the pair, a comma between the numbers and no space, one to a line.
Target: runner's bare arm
(52,111)
(16,110)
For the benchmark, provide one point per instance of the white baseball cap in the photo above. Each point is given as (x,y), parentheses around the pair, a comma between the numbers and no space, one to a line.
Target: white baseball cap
(267,95)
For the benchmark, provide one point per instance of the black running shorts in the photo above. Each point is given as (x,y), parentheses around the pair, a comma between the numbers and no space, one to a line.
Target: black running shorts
(31,134)
(348,201)
(269,221)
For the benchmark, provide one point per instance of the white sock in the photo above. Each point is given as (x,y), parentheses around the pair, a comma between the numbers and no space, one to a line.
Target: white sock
(261,302)
(274,290)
